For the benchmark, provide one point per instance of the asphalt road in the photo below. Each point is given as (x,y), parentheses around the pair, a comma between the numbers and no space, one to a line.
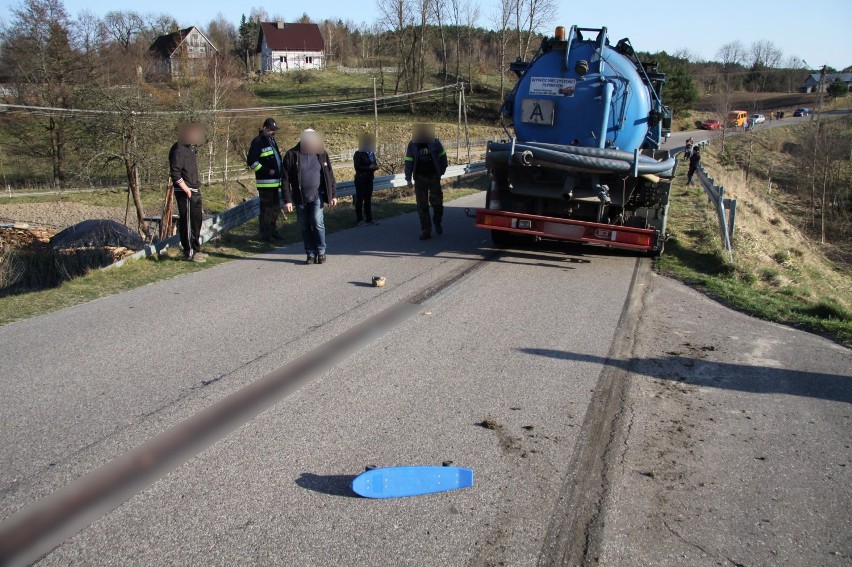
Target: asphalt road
(89,383)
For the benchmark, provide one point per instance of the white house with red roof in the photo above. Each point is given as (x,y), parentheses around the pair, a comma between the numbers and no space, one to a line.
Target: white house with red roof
(287,47)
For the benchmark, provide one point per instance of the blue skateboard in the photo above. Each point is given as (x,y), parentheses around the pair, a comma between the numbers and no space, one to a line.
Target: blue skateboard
(396,482)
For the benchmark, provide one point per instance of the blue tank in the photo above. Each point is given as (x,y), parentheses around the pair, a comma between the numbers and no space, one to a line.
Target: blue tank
(584,92)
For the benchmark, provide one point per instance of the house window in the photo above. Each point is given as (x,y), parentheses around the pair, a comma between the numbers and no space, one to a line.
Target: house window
(281,59)
(309,59)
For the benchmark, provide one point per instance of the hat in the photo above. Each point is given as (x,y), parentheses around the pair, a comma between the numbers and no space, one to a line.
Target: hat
(270,124)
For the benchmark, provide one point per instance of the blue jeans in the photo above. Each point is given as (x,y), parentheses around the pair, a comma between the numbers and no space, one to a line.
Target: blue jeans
(312,223)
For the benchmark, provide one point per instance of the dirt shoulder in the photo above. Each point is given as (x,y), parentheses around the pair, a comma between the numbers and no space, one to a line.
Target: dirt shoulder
(734,442)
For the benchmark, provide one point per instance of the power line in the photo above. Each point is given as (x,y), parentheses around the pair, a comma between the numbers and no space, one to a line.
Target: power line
(330,106)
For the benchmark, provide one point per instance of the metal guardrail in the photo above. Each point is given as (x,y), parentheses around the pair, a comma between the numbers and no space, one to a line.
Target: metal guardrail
(716,196)
(244,212)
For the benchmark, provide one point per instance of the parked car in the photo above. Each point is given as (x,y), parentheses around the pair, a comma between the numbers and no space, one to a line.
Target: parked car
(758,118)
(736,118)
(711,125)
(802,112)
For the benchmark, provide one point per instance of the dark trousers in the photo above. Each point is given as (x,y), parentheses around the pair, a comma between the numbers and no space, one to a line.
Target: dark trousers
(427,191)
(270,208)
(312,223)
(689,175)
(364,199)
(189,224)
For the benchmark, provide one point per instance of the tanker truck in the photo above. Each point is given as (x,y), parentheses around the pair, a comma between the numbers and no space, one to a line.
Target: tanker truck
(585,162)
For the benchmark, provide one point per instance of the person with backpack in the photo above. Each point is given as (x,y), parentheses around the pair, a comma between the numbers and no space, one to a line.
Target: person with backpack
(425,163)
(365,171)
(694,161)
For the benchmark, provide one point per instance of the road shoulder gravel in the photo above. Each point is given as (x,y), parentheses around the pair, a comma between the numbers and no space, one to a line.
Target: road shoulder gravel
(734,442)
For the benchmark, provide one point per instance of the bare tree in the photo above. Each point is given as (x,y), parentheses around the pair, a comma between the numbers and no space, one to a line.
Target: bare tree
(223,34)
(123,27)
(425,19)
(731,53)
(438,9)
(37,53)
(398,17)
(530,17)
(502,21)
(731,56)
(471,16)
(762,55)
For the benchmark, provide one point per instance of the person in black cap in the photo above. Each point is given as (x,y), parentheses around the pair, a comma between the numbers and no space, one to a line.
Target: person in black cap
(183,168)
(265,160)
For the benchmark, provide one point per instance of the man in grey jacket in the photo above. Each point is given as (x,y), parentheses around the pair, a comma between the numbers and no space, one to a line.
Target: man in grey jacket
(307,183)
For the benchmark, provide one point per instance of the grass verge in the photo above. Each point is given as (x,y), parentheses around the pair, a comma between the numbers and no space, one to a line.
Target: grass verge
(776,276)
(238,243)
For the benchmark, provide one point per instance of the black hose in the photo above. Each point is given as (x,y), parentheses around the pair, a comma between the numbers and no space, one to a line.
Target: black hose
(603,160)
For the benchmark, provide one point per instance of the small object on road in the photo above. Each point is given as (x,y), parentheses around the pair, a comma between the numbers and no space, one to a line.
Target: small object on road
(379,281)
(398,482)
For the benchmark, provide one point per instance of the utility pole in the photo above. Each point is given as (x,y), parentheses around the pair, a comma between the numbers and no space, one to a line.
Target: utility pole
(376,110)
(460,92)
(820,90)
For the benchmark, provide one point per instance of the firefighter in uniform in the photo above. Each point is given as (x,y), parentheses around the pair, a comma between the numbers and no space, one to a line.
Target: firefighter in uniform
(265,160)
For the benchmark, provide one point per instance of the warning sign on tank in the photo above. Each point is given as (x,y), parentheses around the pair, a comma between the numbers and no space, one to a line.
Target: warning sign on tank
(553,86)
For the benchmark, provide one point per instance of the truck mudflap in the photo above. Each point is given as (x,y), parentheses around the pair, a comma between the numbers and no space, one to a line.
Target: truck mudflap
(566,229)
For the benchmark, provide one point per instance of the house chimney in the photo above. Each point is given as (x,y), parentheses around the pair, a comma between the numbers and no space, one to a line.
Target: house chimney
(279,24)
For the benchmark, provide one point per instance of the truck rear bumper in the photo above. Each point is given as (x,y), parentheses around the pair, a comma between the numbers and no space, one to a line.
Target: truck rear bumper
(567,229)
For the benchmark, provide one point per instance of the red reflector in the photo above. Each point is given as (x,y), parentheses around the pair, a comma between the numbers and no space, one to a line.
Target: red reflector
(497,220)
(633,238)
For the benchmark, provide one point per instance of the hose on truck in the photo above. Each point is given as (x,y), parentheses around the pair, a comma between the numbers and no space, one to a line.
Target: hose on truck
(591,160)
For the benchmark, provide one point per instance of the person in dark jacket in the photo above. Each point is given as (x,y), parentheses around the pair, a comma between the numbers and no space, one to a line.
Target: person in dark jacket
(307,184)
(183,168)
(425,163)
(694,160)
(365,170)
(265,160)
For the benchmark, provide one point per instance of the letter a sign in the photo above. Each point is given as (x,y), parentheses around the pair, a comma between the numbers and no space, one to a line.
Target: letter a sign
(537,111)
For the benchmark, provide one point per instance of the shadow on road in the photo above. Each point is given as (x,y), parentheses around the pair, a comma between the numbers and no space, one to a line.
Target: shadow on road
(712,374)
(332,484)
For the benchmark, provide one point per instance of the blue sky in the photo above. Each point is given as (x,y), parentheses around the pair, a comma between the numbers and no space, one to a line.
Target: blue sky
(815,30)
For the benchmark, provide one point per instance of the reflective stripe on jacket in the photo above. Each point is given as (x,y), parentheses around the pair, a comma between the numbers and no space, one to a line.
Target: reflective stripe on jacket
(265,160)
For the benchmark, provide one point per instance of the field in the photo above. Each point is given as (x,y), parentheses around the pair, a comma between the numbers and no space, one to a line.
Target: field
(758,102)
